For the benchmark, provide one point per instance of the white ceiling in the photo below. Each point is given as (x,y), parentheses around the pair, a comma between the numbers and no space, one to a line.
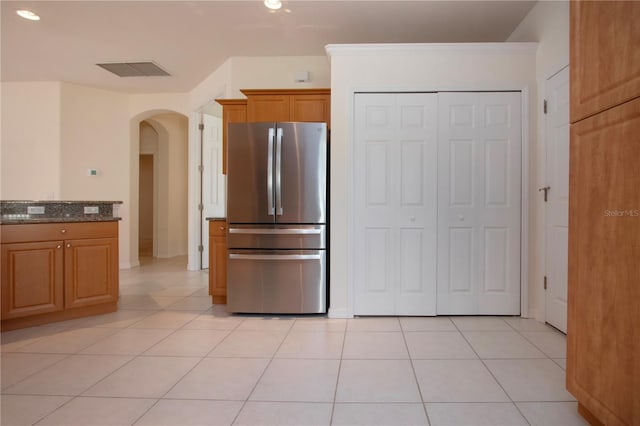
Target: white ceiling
(190,39)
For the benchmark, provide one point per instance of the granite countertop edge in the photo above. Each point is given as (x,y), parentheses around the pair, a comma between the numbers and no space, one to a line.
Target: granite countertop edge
(58,220)
(61,202)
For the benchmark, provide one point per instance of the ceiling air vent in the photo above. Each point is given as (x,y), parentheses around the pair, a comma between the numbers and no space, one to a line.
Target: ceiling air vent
(134,69)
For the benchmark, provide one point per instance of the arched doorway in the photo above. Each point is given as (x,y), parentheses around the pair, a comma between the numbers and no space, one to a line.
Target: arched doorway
(160,182)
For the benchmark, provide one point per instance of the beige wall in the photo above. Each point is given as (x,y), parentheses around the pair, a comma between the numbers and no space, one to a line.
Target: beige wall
(31,141)
(406,68)
(548,24)
(95,134)
(259,72)
(277,73)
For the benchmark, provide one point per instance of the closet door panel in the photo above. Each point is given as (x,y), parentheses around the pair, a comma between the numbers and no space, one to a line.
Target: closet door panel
(395,172)
(479,186)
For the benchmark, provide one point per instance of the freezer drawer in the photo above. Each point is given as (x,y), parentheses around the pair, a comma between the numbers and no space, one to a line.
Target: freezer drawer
(277,281)
(299,237)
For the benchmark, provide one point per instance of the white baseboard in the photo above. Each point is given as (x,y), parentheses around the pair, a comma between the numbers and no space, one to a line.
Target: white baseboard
(339,313)
(129,265)
(536,315)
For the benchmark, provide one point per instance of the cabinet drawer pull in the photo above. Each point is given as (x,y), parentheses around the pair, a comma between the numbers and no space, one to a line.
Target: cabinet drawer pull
(68,245)
(63,231)
(222,228)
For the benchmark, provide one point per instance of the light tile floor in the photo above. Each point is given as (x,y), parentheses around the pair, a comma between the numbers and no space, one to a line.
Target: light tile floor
(168,357)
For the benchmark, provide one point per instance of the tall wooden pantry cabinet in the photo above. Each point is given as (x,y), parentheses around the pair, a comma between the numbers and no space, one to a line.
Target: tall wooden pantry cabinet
(603,338)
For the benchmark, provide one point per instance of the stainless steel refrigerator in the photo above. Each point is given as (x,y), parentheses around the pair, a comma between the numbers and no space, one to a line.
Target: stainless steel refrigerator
(276,209)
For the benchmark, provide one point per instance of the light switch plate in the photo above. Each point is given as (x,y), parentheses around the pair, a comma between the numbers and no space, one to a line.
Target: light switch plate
(91,210)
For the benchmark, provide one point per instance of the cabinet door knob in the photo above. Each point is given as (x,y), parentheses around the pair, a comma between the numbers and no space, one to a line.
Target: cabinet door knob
(59,246)
(222,228)
(63,231)
(68,245)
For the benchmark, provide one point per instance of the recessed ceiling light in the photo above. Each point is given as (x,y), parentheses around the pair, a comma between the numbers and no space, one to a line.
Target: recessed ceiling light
(27,14)
(273,4)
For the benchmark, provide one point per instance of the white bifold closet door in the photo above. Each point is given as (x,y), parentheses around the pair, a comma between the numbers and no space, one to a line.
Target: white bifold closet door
(479,203)
(395,204)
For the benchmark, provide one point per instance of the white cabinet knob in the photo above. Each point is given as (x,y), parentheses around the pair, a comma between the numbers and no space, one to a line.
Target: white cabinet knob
(461,218)
(413,218)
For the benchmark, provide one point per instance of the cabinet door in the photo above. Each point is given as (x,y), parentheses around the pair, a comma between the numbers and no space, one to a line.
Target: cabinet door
(605,58)
(603,342)
(91,272)
(31,278)
(261,108)
(310,108)
(233,111)
(218,261)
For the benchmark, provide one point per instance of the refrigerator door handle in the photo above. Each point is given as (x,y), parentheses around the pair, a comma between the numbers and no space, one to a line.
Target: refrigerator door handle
(285,231)
(275,256)
(279,171)
(270,207)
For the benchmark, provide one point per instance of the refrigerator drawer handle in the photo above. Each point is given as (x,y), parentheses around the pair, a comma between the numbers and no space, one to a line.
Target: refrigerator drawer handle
(275,257)
(276,231)
(270,207)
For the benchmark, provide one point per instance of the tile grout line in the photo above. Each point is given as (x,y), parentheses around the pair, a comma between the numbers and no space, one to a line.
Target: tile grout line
(186,373)
(335,392)
(415,375)
(491,372)
(244,403)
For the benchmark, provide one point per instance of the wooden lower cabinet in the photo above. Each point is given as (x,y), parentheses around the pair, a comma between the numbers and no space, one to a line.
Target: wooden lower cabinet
(91,270)
(71,272)
(218,261)
(32,278)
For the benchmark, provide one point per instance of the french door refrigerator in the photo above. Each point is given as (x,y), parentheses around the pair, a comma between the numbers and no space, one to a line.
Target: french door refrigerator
(276,209)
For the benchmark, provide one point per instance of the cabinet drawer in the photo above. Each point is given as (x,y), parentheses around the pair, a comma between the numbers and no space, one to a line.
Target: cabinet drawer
(218,228)
(28,232)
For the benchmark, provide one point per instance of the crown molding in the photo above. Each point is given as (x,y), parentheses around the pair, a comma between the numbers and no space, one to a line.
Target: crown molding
(422,48)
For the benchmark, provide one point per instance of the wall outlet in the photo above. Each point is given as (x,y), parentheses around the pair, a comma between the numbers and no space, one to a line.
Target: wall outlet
(91,210)
(35,209)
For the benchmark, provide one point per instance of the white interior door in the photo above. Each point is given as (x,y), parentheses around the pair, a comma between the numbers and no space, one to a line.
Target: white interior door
(395,197)
(479,203)
(213,181)
(557,206)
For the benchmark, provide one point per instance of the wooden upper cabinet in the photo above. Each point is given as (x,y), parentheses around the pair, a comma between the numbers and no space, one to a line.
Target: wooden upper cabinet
(605,55)
(314,108)
(310,105)
(233,111)
(267,107)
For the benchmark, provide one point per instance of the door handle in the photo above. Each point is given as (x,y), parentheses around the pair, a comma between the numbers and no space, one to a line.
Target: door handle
(270,208)
(274,257)
(546,192)
(279,172)
(275,231)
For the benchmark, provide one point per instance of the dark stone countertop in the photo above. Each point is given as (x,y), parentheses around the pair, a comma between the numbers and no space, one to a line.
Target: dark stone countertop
(57,211)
